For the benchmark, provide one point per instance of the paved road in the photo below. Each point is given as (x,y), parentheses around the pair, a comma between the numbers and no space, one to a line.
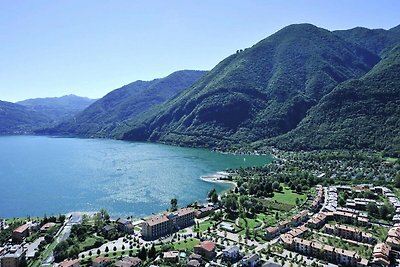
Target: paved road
(32,247)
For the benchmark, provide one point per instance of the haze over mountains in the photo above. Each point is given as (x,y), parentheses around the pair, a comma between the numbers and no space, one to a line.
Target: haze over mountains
(297,84)
(58,108)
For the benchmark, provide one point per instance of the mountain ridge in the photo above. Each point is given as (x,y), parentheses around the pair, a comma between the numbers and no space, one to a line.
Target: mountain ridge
(262,91)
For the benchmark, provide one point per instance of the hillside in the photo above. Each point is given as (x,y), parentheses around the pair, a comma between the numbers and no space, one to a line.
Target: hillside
(375,40)
(108,113)
(261,92)
(363,113)
(58,108)
(17,119)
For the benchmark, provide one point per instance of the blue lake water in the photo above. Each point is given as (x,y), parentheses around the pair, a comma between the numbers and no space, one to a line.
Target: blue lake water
(44,175)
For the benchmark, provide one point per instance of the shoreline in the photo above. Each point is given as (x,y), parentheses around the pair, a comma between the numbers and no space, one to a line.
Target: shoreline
(216,178)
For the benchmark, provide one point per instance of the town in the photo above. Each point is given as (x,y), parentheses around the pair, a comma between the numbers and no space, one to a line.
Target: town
(303,209)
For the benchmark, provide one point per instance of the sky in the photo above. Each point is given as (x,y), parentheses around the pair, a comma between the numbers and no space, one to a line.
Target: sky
(88,48)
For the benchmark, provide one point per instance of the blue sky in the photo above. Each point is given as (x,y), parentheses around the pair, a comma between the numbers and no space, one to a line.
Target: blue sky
(88,48)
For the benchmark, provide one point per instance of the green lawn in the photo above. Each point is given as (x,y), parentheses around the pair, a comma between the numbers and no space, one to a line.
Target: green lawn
(204,226)
(188,245)
(251,223)
(288,197)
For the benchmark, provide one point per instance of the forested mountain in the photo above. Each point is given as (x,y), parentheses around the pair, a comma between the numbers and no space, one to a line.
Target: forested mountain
(108,113)
(58,108)
(17,119)
(362,113)
(261,92)
(375,40)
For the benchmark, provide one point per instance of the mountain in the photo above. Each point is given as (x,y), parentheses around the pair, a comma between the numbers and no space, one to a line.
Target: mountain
(375,40)
(17,119)
(108,113)
(362,113)
(58,108)
(261,92)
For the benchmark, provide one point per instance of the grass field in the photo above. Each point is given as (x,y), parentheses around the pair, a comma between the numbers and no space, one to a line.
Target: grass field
(186,244)
(204,226)
(288,197)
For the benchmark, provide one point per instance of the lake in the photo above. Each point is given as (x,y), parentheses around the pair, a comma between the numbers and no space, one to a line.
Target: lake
(45,175)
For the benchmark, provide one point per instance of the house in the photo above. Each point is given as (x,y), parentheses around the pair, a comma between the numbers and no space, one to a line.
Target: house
(125,226)
(317,221)
(20,233)
(108,229)
(70,263)
(100,261)
(271,232)
(299,218)
(251,260)
(284,226)
(203,212)
(193,263)
(47,226)
(171,256)
(128,262)
(205,249)
(381,255)
(165,224)
(12,256)
(231,253)
(393,238)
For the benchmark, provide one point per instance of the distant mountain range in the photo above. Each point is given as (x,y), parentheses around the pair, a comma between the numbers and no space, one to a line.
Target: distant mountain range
(17,119)
(109,113)
(58,108)
(303,87)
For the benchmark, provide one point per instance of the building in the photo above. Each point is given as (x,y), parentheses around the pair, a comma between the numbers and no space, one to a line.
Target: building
(70,263)
(393,238)
(205,249)
(47,227)
(271,232)
(12,256)
(381,255)
(101,261)
(203,212)
(322,251)
(193,263)
(316,204)
(129,262)
(125,226)
(351,233)
(162,225)
(251,260)
(19,234)
(231,253)
(171,256)
(318,220)
(108,230)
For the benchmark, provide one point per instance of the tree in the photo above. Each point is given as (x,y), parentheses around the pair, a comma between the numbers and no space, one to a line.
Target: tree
(174,204)
(397,181)
(152,252)
(211,193)
(372,209)
(275,185)
(214,197)
(142,254)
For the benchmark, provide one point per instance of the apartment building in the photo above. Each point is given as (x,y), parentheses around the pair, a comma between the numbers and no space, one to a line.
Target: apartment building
(349,232)
(165,224)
